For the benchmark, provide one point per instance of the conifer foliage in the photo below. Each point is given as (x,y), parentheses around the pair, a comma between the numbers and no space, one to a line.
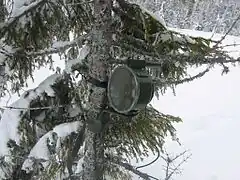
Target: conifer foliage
(65,128)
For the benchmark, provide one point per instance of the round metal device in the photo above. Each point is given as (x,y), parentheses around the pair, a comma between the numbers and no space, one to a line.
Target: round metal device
(128,91)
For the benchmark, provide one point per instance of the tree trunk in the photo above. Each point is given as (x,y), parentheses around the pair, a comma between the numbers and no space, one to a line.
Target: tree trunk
(2,11)
(93,166)
(2,63)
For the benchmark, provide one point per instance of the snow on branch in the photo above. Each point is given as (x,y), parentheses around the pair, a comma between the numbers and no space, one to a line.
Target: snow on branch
(11,118)
(18,13)
(58,47)
(154,15)
(41,151)
(83,52)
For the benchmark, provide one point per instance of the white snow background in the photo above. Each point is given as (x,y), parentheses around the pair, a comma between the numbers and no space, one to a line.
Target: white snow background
(209,108)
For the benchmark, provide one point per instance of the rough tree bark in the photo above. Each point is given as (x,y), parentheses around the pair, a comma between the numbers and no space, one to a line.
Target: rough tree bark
(1,11)
(2,64)
(93,166)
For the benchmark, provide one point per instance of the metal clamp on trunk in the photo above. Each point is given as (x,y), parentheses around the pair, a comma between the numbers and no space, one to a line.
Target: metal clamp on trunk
(96,82)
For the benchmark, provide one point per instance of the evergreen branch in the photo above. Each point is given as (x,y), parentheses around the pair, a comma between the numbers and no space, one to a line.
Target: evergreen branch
(67,154)
(79,3)
(61,48)
(192,60)
(74,151)
(129,167)
(230,45)
(199,75)
(220,60)
(4,52)
(33,6)
(36,108)
(148,164)
(52,50)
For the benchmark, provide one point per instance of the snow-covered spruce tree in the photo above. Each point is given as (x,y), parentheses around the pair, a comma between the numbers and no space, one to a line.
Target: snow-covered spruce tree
(66,129)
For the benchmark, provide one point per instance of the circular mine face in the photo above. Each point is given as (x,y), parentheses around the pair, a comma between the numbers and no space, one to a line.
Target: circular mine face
(123,89)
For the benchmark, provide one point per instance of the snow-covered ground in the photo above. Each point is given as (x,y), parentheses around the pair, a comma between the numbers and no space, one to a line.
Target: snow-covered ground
(209,108)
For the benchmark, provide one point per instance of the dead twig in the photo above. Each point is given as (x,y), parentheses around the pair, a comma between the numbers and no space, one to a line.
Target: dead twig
(171,169)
